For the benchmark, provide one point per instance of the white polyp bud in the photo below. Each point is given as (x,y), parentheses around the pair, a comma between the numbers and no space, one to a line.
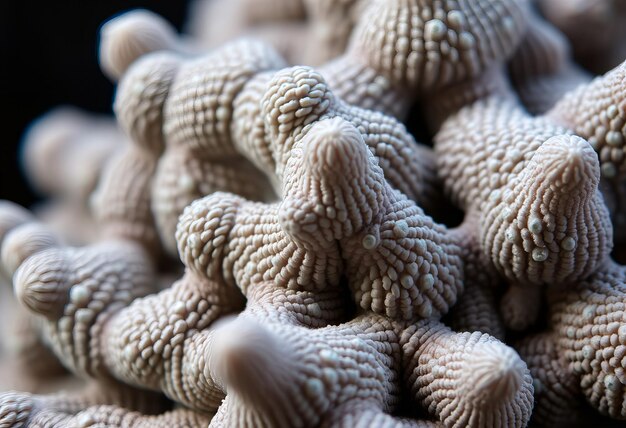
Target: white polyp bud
(506,213)
(509,24)
(510,234)
(612,111)
(534,225)
(571,332)
(407,281)
(178,307)
(428,280)
(495,195)
(456,19)
(587,351)
(612,383)
(589,312)
(537,386)
(193,241)
(435,30)
(401,228)
(328,356)
(369,242)
(568,244)
(79,295)
(314,388)
(614,138)
(540,254)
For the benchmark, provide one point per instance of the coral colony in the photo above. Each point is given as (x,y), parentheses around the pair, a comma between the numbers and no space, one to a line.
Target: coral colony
(258,240)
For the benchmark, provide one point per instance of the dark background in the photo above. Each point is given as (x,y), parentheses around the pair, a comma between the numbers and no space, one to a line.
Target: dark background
(48,57)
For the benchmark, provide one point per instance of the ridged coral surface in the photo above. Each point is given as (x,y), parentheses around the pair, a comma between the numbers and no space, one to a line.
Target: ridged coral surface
(361,213)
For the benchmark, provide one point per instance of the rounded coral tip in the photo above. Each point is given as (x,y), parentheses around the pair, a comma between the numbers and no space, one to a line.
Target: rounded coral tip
(245,357)
(495,372)
(570,162)
(24,241)
(40,283)
(334,147)
(125,38)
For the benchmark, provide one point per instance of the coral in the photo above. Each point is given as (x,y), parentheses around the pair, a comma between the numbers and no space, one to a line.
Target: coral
(167,341)
(589,328)
(261,250)
(65,152)
(246,112)
(330,25)
(541,69)
(215,22)
(125,38)
(30,359)
(414,266)
(402,50)
(469,378)
(533,184)
(580,20)
(304,31)
(582,353)
(115,416)
(476,309)
(597,111)
(55,410)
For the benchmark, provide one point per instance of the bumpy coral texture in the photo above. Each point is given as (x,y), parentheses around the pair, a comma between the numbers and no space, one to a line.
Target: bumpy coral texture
(411,265)
(242,117)
(591,332)
(30,363)
(597,112)
(315,289)
(534,185)
(402,49)
(167,341)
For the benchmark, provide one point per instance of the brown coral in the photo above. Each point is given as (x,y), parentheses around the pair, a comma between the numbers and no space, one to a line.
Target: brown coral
(590,328)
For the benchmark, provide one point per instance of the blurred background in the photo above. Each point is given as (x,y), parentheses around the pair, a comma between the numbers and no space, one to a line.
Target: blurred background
(48,57)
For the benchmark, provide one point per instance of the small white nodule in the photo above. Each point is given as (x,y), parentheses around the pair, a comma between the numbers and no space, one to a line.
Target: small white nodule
(540,254)
(369,242)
